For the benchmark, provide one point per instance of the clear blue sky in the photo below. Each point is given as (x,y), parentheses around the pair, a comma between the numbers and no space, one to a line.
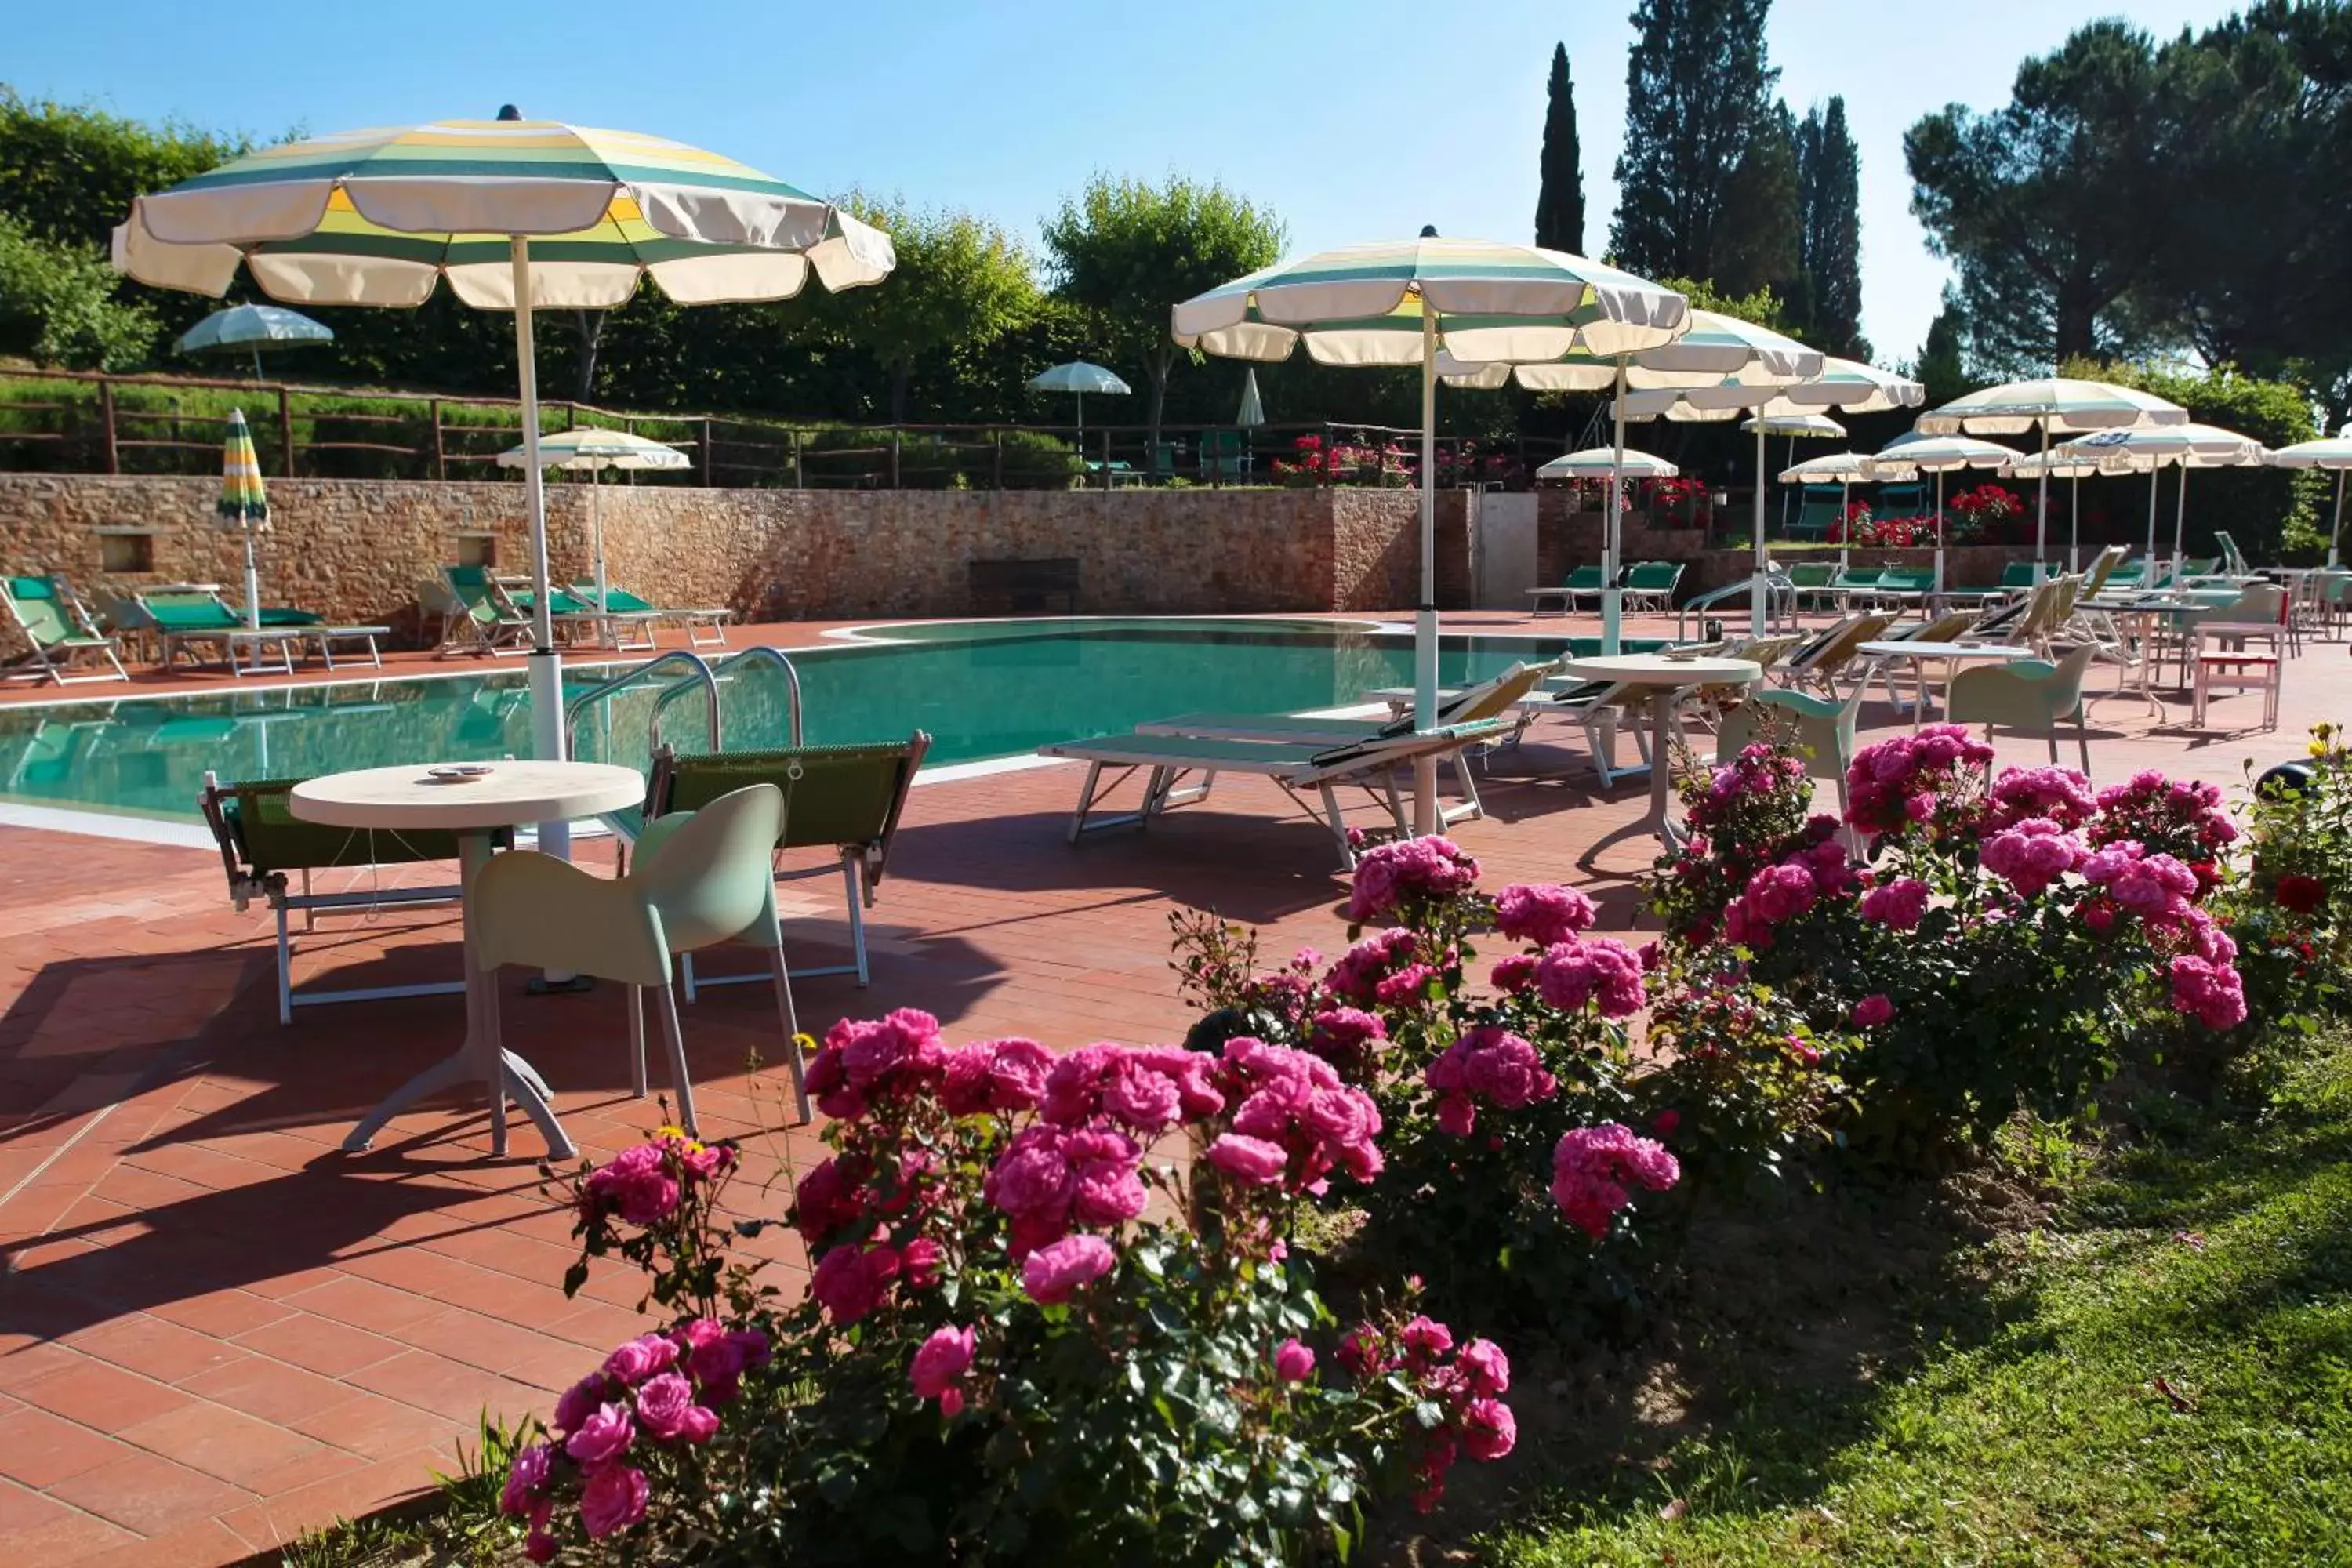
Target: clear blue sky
(1352,118)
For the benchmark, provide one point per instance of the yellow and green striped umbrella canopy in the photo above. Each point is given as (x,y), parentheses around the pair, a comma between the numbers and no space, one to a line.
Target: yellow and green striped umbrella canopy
(378,217)
(1715,349)
(1363,305)
(243,501)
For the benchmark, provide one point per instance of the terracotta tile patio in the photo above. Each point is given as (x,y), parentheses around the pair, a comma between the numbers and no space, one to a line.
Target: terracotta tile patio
(217,1331)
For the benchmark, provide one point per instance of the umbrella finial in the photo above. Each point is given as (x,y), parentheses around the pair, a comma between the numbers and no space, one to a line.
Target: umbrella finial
(1429,231)
(508,111)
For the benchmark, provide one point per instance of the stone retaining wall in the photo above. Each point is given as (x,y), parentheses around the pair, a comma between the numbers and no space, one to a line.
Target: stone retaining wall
(354,549)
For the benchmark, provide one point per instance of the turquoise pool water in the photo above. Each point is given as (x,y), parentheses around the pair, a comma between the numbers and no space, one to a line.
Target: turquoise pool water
(982,689)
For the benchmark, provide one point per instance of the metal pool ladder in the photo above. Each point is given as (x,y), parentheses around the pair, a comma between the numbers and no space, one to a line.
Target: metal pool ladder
(700,675)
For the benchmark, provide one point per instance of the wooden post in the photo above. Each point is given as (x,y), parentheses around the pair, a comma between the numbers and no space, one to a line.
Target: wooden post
(1000,459)
(894,456)
(105,423)
(286,425)
(709,462)
(440,451)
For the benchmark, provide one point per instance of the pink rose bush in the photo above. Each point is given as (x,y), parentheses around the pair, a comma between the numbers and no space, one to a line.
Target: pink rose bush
(2062,915)
(1594,1170)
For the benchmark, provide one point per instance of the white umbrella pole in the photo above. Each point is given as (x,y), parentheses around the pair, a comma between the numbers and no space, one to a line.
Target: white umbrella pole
(2336,533)
(2040,508)
(252,582)
(2075,524)
(596,543)
(1755,584)
(1082,427)
(2180,520)
(546,665)
(1424,628)
(2149,577)
(1939,532)
(1613,603)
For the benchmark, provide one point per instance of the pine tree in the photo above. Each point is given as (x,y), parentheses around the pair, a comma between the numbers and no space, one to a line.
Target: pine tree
(1559,201)
(1696,87)
(1829,180)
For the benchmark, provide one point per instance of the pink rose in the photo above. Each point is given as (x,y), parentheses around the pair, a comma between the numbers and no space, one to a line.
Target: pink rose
(939,1367)
(919,1262)
(1051,1274)
(613,1499)
(525,1478)
(1542,914)
(851,1280)
(1485,1365)
(1253,1161)
(1873,1010)
(999,1076)
(1426,1339)
(1899,905)
(662,1401)
(602,1438)
(1488,1429)
(1293,1363)
(1594,1170)
(579,1401)
(641,1358)
(636,1184)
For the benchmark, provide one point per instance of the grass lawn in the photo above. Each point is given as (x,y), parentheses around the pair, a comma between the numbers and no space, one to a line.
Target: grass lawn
(2154,1367)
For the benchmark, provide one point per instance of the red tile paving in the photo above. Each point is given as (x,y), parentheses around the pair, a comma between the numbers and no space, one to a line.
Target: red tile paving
(217,1331)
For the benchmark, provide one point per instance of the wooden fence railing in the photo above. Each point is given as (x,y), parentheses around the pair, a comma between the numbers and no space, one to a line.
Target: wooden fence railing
(66,421)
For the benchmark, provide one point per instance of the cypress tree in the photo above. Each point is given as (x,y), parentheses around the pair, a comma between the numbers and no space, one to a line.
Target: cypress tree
(1697,88)
(1559,200)
(1829,176)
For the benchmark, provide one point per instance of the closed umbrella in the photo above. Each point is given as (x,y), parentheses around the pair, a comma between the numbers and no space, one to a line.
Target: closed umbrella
(249,328)
(1395,303)
(244,504)
(518,214)
(591,451)
(1252,411)
(2329,452)
(2178,444)
(1939,455)
(1079,377)
(2053,406)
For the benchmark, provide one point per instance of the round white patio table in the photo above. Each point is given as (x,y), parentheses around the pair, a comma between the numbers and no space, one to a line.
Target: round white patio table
(1667,677)
(1953,653)
(475,809)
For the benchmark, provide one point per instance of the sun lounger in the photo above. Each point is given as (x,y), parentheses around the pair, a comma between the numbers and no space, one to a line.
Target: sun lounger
(185,619)
(1585,582)
(696,621)
(55,628)
(1650,584)
(478,615)
(845,797)
(1298,769)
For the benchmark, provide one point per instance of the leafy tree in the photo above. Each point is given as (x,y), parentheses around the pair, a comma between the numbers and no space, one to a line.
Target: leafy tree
(1759,245)
(1128,252)
(1559,200)
(1697,88)
(2051,205)
(1829,241)
(1942,365)
(59,304)
(960,280)
(69,172)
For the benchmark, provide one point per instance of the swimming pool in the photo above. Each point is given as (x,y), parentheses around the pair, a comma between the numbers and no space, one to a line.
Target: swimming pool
(984,689)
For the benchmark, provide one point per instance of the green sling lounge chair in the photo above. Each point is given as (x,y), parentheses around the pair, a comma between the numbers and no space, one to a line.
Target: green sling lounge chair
(262,842)
(847,797)
(478,616)
(55,628)
(1583,582)
(696,621)
(1650,584)
(1812,581)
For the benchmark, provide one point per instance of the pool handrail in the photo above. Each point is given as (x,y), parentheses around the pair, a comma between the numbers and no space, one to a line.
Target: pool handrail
(701,674)
(756,653)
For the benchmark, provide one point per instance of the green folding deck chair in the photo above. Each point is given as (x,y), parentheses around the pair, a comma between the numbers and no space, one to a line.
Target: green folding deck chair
(262,843)
(55,629)
(848,797)
(478,616)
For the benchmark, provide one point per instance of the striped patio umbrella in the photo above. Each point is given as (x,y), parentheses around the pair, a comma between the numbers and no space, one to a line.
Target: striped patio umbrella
(2175,444)
(249,328)
(2053,406)
(1940,455)
(244,504)
(590,452)
(1840,383)
(2058,464)
(518,214)
(1080,377)
(2329,452)
(1401,302)
(1607,462)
